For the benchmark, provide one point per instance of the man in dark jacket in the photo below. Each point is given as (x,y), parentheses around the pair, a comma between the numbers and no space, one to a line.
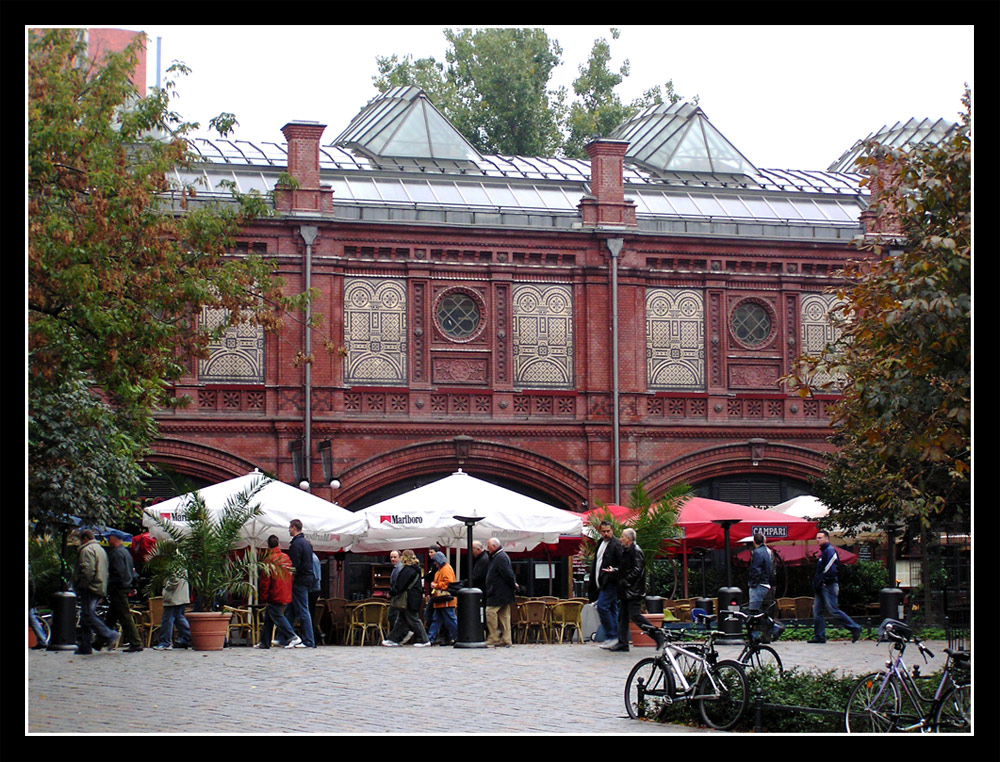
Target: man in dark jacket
(827,589)
(301,554)
(121,582)
(500,586)
(631,588)
(604,582)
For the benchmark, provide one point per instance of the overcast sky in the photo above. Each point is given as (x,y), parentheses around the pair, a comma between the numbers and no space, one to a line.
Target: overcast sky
(788,97)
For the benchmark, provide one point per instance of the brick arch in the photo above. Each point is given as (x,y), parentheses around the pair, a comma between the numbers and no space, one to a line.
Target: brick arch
(565,488)
(198,460)
(775,458)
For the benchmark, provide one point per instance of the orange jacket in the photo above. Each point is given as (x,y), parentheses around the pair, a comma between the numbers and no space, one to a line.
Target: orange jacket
(277,588)
(444,577)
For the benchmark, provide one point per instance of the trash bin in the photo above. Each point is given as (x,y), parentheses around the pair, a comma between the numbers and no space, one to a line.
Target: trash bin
(890,603)
(654,604)
(63,637)
(705,603)
(471,622)
(729,600)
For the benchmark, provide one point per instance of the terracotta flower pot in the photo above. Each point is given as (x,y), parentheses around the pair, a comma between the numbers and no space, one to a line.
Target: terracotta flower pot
(208,629)
(639,638)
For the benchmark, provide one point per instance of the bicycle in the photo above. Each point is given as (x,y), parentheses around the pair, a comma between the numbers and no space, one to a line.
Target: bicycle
(755,654)
(875,704)
(687,672)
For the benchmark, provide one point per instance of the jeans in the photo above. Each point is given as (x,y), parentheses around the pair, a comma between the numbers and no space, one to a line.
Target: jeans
(607,611)
(826,598)
(300,602)
(274,618)
(447,616)
(172,615)
(90,623)
(36,625)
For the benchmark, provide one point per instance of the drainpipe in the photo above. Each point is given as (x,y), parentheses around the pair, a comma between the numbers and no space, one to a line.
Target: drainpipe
(615,247)
(308,233)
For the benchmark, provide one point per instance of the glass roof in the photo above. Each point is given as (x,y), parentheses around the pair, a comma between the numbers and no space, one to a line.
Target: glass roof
(900,135)
(679,138)
(403,123)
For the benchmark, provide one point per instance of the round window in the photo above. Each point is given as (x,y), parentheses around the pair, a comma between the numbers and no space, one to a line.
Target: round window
(458,315)
(751,324)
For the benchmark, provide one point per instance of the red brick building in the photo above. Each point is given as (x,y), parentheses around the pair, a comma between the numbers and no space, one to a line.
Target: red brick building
(565,327)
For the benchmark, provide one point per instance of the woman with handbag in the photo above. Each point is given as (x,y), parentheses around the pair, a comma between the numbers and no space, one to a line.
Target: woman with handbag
(406,595)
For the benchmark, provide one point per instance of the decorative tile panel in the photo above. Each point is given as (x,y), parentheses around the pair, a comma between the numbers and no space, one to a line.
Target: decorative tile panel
(818,330)
(675,339)
(375,331)
(542,327)
(235,357)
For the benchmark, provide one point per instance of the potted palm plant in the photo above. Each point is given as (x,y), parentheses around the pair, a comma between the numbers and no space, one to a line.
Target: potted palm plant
(200,550)
(654,523)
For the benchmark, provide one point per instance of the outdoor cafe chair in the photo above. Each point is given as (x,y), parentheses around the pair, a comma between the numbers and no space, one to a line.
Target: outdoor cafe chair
(147,620)
(536,618)
(786,608)
(804,607)
(566,615)
(242,621)
(336,615)
(368,617)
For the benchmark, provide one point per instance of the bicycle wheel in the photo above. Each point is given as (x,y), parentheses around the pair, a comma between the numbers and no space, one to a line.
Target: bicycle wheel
(762,656)
(954,715)
(723,710)
(873,705)
(648,689)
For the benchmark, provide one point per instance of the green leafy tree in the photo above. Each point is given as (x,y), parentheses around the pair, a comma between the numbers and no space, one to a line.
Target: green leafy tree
(903,424)
(598,109)
(117,276)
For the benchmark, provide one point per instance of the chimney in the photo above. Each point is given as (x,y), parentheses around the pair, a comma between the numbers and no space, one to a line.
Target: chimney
(303,166)
(879,219)
(607,204)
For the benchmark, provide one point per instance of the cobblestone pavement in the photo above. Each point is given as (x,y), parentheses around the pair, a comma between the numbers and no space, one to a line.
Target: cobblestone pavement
(527,689)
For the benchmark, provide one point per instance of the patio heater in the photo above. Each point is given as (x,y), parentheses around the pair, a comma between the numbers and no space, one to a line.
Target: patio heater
(471,623)
(729,596)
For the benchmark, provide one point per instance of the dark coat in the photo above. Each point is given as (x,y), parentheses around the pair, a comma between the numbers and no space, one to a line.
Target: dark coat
(500,580)
(415,592)
(827,567)
(479,569)
(760,567)
(120,569)
(632,581)
(300,552)
(612,558)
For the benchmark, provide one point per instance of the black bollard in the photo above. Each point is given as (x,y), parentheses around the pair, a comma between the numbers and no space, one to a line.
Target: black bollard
(63,637)
(471,623)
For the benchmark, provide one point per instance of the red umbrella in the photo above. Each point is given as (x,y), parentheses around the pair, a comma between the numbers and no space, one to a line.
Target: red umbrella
(796,555)
(698,514)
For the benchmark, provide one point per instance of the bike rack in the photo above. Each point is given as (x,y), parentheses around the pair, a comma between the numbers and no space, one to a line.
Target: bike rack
(760,705)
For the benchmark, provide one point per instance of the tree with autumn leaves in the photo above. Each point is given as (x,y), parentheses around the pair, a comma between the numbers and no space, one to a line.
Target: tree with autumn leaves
(903,424)
(120,265)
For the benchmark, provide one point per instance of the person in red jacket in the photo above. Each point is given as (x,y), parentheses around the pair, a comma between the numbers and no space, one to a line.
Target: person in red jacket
(275,590)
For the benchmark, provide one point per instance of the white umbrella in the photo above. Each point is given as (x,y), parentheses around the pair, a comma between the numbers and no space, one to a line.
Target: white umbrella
(426,516)
(803,506)
(326,525)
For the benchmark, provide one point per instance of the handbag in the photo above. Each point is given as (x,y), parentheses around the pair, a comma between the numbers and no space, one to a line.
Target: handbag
(398,601)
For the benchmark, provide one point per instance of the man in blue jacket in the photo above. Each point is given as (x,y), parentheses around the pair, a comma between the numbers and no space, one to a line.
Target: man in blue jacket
(827,588)
(301,554)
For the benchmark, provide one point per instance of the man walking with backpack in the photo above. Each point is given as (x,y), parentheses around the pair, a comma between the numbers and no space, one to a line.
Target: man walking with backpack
(827,588)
